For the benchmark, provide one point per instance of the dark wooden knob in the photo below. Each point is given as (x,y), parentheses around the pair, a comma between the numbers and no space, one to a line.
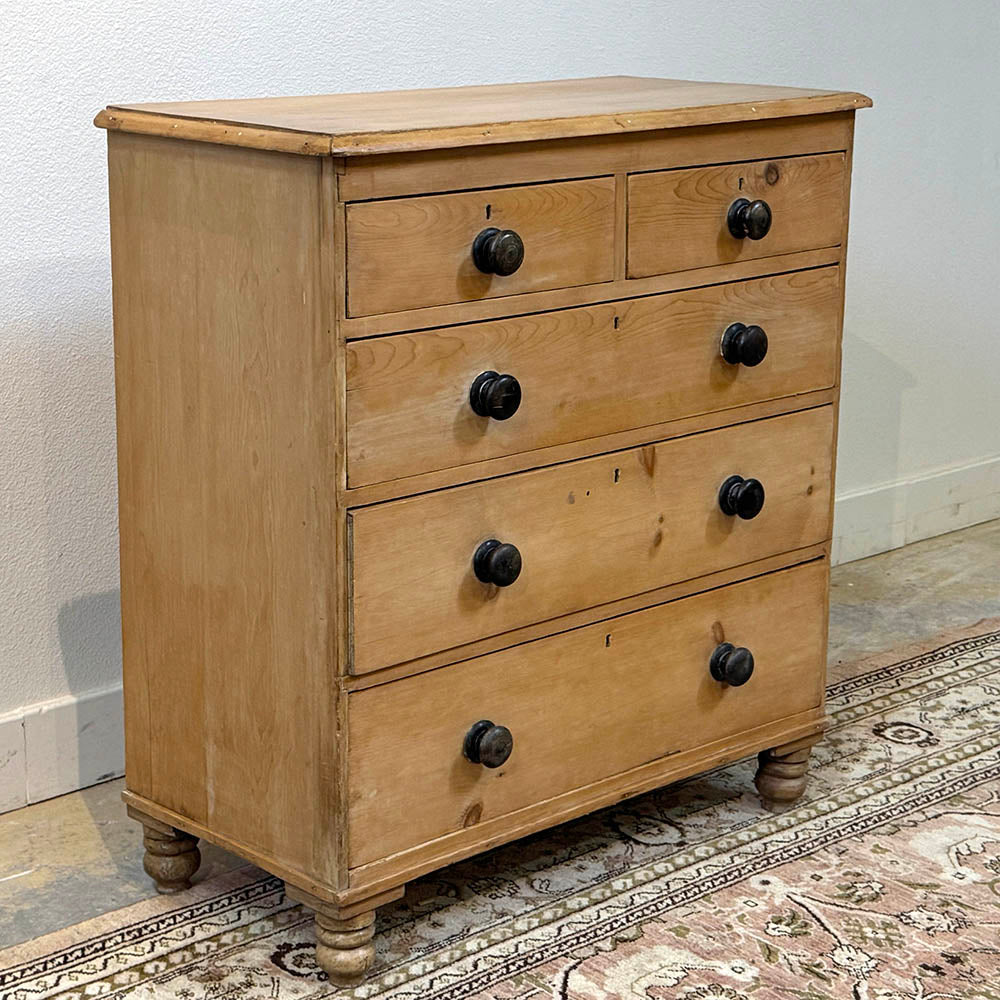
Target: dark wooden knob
(731,664)
(497,562)
(498,251)
(487,744)
(744,345)
(742,497)
(749,220)
(494,395)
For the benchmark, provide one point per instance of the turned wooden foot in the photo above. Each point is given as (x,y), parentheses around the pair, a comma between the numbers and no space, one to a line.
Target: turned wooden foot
(782,773)
(345,949)
(345,946)
(172,856)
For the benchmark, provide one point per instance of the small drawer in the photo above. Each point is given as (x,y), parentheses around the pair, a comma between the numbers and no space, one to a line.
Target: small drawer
(408,253)
(580,707)
(586,532)
(582,373)
(682,219)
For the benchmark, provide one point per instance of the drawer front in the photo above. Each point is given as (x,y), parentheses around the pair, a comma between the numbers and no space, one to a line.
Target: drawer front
(588,532)
(677,219)
(581,706)
(582,372)
(413,252)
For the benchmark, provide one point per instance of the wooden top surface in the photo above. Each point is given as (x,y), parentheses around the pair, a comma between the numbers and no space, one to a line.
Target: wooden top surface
(406,120)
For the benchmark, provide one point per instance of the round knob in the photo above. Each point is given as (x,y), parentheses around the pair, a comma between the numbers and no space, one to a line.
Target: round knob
(494,395)
(749,220)
(742,497)
(497,562)
(731,664)
(744,345)
(498,251)
(487,744)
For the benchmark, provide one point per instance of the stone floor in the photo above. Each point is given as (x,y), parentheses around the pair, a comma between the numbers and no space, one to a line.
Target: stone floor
(77,856)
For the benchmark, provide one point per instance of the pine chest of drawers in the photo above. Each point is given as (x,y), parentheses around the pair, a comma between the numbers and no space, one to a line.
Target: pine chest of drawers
(476,456)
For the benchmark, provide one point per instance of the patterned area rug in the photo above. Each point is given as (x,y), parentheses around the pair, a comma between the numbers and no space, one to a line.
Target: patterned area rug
(882,884)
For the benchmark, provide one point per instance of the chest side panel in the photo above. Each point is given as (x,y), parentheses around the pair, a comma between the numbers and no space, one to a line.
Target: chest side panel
(226,436)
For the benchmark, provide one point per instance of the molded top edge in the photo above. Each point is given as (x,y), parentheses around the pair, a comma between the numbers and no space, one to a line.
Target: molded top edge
(409,120)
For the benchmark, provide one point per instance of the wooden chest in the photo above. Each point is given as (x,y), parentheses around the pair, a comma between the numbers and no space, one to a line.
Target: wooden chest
(476,455)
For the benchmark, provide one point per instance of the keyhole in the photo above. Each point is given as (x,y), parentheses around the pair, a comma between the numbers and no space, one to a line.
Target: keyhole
(489,209)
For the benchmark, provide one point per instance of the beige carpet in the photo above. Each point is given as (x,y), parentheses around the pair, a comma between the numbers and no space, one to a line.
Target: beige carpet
(882,884)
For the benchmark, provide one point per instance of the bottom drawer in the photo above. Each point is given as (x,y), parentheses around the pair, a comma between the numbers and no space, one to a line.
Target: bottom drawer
(581,706)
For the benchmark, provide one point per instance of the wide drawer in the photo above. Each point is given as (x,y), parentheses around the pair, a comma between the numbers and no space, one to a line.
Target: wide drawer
(580,706)
(678,219)
(582,372)
(588,532)
(407,253)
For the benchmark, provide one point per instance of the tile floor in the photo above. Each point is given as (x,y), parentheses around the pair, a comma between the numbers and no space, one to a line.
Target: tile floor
(77,856)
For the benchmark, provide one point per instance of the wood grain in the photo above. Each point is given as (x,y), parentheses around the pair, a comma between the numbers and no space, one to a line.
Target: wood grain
(846,197)
(431,317)
(225,426)
(488,834)
(412,252)
(586,616)
(677,218)
(584,373)
(329,832)
(647,672)
(305,877)
(589,532)
(221,133)
(395,121)
(302,487)
(391,175)
(396,489)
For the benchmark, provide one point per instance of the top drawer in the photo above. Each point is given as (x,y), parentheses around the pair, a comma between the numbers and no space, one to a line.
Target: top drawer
(407,253)
(679,219)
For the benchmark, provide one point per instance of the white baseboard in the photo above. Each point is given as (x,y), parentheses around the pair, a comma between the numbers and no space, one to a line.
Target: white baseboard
(13,775)
(59,746)
(886,517)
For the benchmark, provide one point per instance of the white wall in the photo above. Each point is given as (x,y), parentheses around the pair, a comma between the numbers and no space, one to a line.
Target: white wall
(920,385)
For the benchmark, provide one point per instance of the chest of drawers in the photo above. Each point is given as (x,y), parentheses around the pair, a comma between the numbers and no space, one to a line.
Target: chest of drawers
(476,455)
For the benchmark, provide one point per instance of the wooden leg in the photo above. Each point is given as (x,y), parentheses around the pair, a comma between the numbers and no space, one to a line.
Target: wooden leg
(345,949)
(782,772)
(345,946)
(172,856)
